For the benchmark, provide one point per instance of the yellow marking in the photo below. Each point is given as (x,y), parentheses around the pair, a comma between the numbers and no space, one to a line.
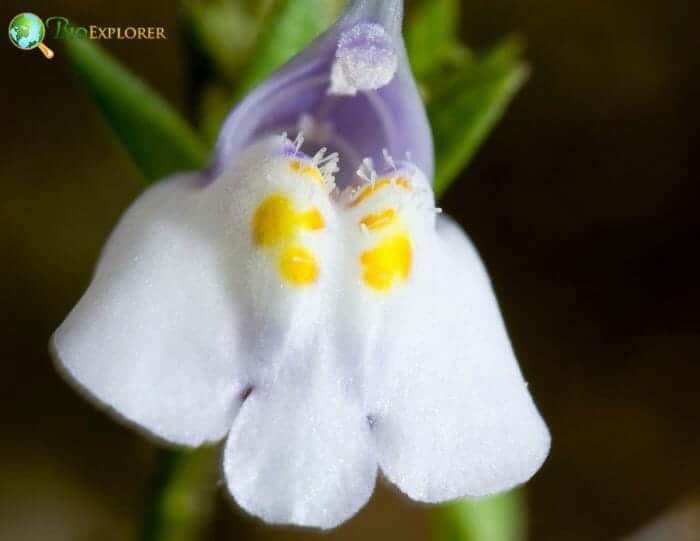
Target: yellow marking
(379,219)
(311,219)
(276,224)
(276,220)
(313,172)
(369,190)
(387,261)
(298,266)
(310,171)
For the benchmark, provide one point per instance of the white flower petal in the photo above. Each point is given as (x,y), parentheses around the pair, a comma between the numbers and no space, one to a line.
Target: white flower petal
(454,416)
(154,338)
(278,210)
(300,451)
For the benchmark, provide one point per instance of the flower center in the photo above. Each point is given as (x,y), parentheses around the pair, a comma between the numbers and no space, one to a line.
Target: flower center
(304,227)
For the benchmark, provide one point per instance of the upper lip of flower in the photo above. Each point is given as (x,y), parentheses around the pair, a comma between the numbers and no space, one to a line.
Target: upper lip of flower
(357,125)
(328,331)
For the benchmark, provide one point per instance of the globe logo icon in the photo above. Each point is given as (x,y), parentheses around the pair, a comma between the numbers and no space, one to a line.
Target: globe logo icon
(27,32)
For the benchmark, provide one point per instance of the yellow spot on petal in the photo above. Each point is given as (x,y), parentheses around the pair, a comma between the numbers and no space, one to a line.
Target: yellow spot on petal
(298,266)
(382,183)
(276,220)
(380,219)
(386,262)
(311,219)
(309,170)
(275,226)
(314,173)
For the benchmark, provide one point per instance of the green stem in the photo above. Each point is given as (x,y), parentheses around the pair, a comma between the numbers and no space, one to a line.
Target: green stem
(495,518)
(182,501)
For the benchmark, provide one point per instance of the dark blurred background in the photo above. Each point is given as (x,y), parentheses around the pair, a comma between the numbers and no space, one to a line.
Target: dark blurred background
(582,204)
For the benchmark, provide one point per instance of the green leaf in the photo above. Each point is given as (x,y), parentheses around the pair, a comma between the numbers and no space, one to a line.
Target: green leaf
(223,31)
(496,518)
(507,53)
(466,111)
(431,37)
(289,28)
(214,104)
(156,138)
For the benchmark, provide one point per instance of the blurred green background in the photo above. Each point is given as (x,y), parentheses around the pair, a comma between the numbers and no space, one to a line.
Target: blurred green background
(582,203)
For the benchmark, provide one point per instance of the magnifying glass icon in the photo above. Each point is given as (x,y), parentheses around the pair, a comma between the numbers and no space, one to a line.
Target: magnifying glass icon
(27,31)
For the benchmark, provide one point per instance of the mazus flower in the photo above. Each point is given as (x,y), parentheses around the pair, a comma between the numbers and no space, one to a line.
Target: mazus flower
(305,300)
